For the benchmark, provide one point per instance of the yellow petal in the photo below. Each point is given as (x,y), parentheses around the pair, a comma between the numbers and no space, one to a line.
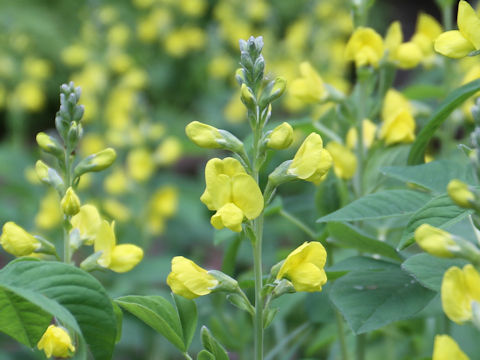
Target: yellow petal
(218,191)
(434,241)
(125,257)
(398,128)
(455,296)
(393,37)
(307,157)
(445,348)
(469,23)
(307,277)
(453,44)
(247,195)
(344,161)
(229,216)
(105,242)
(408,55)
(472,279)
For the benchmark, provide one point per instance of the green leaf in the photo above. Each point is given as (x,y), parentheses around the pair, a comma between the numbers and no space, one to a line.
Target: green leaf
(352,237)
(424,92)
(187,313)
(70,294)
(119,317)
(212,345)
(428,270)
(434,175)
(453,100)
(370,300)
(383,204)
(358,263)
(439,212)
(205,355)
(157,313)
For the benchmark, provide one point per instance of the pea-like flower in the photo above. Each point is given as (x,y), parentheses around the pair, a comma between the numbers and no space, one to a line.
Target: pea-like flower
(460,287)
(56,342)
(369,130)
(304,267)
(190,280)
(232,193)
(344,161)
(16,241)
(435,241)
(309,88)
(445,348)
(398,123)
(427,30)
(460,193)
(459,43)
(87,221)
(119,258)
(365,47)
(312,161)
(406,55)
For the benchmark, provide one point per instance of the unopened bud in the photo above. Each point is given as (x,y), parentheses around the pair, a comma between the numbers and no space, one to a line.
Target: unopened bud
(49,144)
(225,282)
(48,176)
(281,137)
(70,203)
(248,98)
(435,241)
(96,162)
(203,135)
(460,193)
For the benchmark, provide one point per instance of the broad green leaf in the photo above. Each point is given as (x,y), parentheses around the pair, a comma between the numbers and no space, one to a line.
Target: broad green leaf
(70,294)
(439,212)
(119,317)
(434,175)
(424,92)
(157,313)
(452,101)
(370,300)
(429,270)
(383,204)
(212,345)
(187,313)
(358,263)
(352,237)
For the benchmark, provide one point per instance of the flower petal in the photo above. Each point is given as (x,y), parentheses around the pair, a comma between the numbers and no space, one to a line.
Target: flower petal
(453,44)
(469,23)
(455,297)
(247,195)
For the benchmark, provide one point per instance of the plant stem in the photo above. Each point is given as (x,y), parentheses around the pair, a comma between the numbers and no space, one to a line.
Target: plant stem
(257,268)
(66,221)
(299,224)
(360,347)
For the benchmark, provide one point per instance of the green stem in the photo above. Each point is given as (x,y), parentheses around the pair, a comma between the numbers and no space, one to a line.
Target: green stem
(257,268)
(327,132)
(360,347)
(299,224)
(187,356)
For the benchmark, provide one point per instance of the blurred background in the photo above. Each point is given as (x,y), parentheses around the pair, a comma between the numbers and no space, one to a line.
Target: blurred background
(146,69)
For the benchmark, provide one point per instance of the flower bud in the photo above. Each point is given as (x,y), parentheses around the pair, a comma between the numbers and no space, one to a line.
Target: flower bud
(125,257)
(70,203)
(49,176)
(49,144)
(435,241)
(56,342)
(17,241)
(96,162)
(203,135)
(225,282)
(247,96)
(281,137)
(460,194)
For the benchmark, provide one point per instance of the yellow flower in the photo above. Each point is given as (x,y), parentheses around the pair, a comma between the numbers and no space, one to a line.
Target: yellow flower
(50,214)
(435,241)
(189,280)
(427,30)
(164,201)
(29,95)
(369,130)
(168,151)
(116,210)
(56,342)
(74,55)
(17,241)
(398,123)
(459,43)
(232,193)
(304,267)
(459,289)
(281,137)
(203,135)
(140,165)
(344,161)
(312,161)
(406,55)
(116,183)
(37,69)
(87,221)
(445,348)
(365,47)
(119,258)
(460,194)
(309,87)
(70,202)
